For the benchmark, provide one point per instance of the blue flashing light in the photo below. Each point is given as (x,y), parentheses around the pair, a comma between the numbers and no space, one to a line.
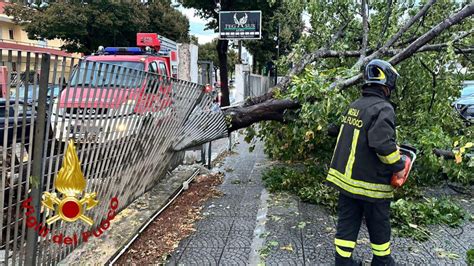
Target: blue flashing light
(123,50)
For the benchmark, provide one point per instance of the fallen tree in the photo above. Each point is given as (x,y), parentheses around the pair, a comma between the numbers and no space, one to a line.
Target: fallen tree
(431,47)
(266,107)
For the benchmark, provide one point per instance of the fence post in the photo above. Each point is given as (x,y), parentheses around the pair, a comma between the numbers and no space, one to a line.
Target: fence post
(203,154)
(209,154)
(36,178)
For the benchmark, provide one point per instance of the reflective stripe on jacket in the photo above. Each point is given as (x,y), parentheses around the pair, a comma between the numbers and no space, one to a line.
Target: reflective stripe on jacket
(366,154)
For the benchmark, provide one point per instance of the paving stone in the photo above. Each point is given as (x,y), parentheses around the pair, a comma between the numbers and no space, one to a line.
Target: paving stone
(243,223)
(319,251)
(201,256)
(252,191)
(283,257)
(215,223)
(285,226)
(286,239)
(247,211)
(463,235)
(240,239)
(224,201)
(407,251)
(204,239)
(235,256)
(441,245)
(233,190)
(230,210)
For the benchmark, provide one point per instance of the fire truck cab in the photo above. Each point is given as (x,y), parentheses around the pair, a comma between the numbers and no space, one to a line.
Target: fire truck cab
(109,89)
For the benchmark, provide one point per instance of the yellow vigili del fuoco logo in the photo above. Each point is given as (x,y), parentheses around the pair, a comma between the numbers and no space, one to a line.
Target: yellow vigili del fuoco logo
(70,183)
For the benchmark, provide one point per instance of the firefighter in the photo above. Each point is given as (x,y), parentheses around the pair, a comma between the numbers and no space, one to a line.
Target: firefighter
(365,158)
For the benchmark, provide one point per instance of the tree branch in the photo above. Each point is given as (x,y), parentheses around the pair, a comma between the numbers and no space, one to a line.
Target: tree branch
(449,155)
(365,29)
(272,109)
(427,48)
(434,75)
(298,68)
(405,27)
(415,46)
(385,24)
(434,32)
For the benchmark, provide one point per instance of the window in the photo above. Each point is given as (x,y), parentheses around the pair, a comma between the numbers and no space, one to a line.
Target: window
(163,69)
(153,68)
(468,90)
(101,74)
(10,32)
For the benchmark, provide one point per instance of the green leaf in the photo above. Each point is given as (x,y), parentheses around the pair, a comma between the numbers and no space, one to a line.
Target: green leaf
(273,243)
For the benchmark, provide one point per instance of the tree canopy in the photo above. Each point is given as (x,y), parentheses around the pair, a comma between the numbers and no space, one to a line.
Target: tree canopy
(208,52)
(277,15)
(85,25)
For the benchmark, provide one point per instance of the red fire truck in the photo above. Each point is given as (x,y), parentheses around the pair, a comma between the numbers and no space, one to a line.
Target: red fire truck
(109,89)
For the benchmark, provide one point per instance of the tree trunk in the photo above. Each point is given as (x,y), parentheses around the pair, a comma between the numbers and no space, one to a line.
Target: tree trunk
(222,46)
(273,109)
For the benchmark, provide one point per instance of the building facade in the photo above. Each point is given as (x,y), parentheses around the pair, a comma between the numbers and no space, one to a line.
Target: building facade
(15,46)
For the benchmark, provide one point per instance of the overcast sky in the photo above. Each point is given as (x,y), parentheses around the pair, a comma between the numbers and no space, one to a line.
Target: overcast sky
(197,25)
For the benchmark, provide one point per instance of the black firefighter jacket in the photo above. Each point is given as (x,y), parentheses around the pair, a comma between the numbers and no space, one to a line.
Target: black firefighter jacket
(366,154)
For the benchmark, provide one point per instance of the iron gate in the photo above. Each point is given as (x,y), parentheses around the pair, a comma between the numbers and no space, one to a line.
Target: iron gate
(127,128)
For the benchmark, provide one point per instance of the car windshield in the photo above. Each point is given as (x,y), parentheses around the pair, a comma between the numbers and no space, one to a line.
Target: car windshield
(103,73)
(52,91)
(468,90)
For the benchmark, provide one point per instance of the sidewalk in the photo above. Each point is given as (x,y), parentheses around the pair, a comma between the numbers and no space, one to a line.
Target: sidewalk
(247,225)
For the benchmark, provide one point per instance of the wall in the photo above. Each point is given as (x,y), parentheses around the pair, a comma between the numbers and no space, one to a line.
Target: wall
(258,85)
(187,66)
(238,92)
(194,51)
(249,85)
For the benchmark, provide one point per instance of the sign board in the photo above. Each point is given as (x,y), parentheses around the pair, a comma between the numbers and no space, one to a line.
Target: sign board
(240,25)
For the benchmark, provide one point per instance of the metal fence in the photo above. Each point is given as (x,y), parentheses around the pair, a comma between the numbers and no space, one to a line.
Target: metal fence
(256,85)
(127,126)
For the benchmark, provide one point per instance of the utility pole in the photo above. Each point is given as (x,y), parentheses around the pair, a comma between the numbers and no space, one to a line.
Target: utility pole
(278,52)
(240,51)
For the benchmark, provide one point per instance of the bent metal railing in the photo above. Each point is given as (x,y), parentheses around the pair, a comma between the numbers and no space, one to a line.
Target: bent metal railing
(81,142)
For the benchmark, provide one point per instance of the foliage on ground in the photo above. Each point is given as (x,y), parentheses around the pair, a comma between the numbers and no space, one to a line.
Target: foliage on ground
(306,182)
(175,223)
(470,257)
(411,218)
(411,214)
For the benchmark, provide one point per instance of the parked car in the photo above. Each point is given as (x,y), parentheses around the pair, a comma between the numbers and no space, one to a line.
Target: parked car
(22,123)
(465,104)
(53,92)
